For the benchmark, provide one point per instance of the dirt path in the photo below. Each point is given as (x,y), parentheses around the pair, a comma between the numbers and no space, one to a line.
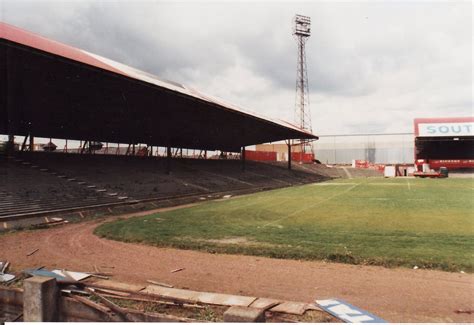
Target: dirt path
(397,295)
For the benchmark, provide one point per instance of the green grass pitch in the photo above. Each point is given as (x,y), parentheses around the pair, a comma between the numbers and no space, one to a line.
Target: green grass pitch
(393,222)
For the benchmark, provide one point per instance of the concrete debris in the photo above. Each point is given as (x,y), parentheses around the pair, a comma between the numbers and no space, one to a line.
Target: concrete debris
(238,314)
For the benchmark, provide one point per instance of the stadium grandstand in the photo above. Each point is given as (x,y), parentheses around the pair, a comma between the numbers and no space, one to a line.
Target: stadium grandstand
(52,90)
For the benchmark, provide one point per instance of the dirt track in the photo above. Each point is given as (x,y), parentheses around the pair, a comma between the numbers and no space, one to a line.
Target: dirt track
(397,295)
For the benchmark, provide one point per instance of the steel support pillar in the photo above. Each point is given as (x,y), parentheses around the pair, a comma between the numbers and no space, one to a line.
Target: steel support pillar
(168,160)
(242,158)
(23,146)
(289,156)
(32,143)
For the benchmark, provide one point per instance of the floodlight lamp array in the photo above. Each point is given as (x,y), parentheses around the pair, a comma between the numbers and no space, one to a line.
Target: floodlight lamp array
(302,26)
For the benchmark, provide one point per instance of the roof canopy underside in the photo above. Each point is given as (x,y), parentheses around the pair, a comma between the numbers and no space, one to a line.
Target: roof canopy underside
(48,95)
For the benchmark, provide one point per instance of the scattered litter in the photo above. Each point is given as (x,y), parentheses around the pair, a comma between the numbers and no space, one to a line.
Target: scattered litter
(177,270)
(112,194)
(291,307)
(76,276)
(36,272)
(4,266)
(226,196)
(202,198)
(462,311)
(71,179)
(32,252)
(415,267)
(123,197)
(4,277)
(91,186)
(348,313)
(462,272)
(101,190)
(161,284)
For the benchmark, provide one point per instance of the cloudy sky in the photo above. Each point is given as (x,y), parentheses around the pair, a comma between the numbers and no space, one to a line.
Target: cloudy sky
(372,66)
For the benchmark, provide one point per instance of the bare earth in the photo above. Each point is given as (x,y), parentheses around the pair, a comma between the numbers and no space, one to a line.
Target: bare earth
(397,295)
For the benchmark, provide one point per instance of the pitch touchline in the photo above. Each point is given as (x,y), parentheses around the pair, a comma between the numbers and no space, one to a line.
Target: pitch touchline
(311,206)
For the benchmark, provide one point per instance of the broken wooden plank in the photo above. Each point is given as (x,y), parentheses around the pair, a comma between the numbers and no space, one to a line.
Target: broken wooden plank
(162,302)
(98,276)
(264,303)
(290,307)
(113,292)
(91,304)
(5,267)
(201,297)
(114,285)
(32,252)
(116,309)
(161,284)
(180,294)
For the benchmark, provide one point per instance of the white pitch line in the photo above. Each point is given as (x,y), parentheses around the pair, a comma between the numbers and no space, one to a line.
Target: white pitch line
(312,205)
(409,186)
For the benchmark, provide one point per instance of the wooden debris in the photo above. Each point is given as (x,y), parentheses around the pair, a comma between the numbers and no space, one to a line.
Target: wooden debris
(177,270)
(264,303)
(91,304)
(161,284)
(113,285)
(95,275)
(161,302)
(291,307)
(5,267)
(113,292)
(32,252)
(462,311)
(199,297)
(116,309)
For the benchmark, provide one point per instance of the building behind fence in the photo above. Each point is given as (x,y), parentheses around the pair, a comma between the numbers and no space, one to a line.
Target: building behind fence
(375,148)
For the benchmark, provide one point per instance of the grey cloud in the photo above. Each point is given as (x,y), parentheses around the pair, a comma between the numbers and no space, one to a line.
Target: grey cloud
(365,60)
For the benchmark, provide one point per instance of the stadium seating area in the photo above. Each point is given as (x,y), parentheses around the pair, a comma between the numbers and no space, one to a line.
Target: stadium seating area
(38,181)
(27,189)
